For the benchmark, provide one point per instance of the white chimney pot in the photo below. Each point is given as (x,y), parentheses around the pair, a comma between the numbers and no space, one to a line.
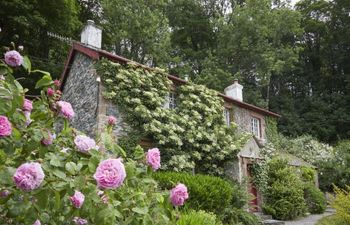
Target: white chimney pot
(235,91)
(91,35)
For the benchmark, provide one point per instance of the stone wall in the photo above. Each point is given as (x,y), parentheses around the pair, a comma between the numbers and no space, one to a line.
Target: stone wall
(82,91)
(242,118)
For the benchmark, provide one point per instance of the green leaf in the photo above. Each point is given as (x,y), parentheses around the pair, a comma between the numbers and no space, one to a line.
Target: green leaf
(42,199)
(71,167)
(5,100)
(27,64)
(59,174)
(45,81)
(139,210)
(45,73)
(139,153)
(57,200)
(55,161)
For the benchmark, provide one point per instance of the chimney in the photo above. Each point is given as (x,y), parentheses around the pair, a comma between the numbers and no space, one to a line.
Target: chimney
(91,35)
(235,91)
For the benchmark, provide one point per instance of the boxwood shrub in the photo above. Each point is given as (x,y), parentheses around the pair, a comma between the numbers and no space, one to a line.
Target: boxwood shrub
(208,193)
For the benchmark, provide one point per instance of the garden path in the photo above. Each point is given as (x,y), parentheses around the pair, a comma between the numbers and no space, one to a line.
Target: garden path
(311,219)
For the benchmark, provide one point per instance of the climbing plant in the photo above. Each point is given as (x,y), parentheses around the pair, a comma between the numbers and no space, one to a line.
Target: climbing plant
(193,135)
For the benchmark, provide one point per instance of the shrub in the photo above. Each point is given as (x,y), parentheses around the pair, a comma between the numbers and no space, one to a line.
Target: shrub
(198,217)
(315,200)
(240,195)
(341,203)
(234,216)
(285,196)
(209,193)
(308,174)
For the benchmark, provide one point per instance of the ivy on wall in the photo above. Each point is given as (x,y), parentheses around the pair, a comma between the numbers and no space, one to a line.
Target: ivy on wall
(191,136)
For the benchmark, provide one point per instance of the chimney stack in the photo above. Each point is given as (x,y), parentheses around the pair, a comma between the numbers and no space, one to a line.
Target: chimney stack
(91,35)
(235,91)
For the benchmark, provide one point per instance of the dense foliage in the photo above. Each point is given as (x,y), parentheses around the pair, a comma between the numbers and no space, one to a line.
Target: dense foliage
(198,217)
(315,200)
(341,204)
(60,176)
(212,194)
(284,198)
(193,135)
(336,170)
(208,193)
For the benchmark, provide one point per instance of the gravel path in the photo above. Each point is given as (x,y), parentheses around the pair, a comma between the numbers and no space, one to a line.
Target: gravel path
(310,220)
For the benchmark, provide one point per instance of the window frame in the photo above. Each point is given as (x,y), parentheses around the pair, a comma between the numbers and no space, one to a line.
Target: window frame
(255,128)
(227,116)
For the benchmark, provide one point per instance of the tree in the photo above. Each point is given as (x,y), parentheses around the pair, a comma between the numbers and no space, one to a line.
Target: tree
(137,30)
(258,41)
(317,91)
(27,22)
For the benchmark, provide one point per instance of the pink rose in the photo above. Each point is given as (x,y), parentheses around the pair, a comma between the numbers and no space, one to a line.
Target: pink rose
(110,173)
(79,221)
(178,195)
(66,109)
(29,176)
(77,199)
(37,222)
(84,143)
(48,139)
(153,158)
(112,120)
(5,127)
(50,92)
(13,58)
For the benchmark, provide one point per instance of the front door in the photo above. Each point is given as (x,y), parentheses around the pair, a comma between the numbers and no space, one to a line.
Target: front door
(253,204)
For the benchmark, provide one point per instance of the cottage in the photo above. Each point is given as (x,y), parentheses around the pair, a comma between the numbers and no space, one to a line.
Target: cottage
(81,86)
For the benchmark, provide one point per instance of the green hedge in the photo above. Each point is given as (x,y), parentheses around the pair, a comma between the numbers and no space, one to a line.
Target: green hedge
(207,193)
(197,218)
(315,200)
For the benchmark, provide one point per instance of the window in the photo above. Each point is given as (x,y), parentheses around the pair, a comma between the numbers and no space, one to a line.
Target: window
(171,101)
(255,126)
(227,116)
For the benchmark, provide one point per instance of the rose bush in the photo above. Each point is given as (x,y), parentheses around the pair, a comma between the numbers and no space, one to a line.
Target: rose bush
(53,174)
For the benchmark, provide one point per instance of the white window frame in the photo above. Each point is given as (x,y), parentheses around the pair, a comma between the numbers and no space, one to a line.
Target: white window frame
(170,101)
(255,126)
(227,116)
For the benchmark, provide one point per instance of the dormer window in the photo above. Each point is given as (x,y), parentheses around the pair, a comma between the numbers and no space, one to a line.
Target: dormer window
(227,116)
(171,101)
(255,126)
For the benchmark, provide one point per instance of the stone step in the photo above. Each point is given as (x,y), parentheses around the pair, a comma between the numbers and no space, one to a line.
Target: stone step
(262,216)
(272,222)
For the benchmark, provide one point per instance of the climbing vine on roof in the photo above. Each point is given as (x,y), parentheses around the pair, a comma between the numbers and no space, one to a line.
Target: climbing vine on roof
(191,136)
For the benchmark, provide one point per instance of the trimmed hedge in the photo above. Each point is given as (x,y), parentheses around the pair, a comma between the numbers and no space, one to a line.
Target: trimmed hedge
(315,200)
(208,193)
(198,217)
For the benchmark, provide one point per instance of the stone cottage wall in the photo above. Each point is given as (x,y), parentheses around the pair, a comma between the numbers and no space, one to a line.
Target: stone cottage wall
(82,91)
(242,118)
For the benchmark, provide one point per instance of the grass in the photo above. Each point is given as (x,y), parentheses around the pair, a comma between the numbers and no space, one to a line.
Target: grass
(331,220)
